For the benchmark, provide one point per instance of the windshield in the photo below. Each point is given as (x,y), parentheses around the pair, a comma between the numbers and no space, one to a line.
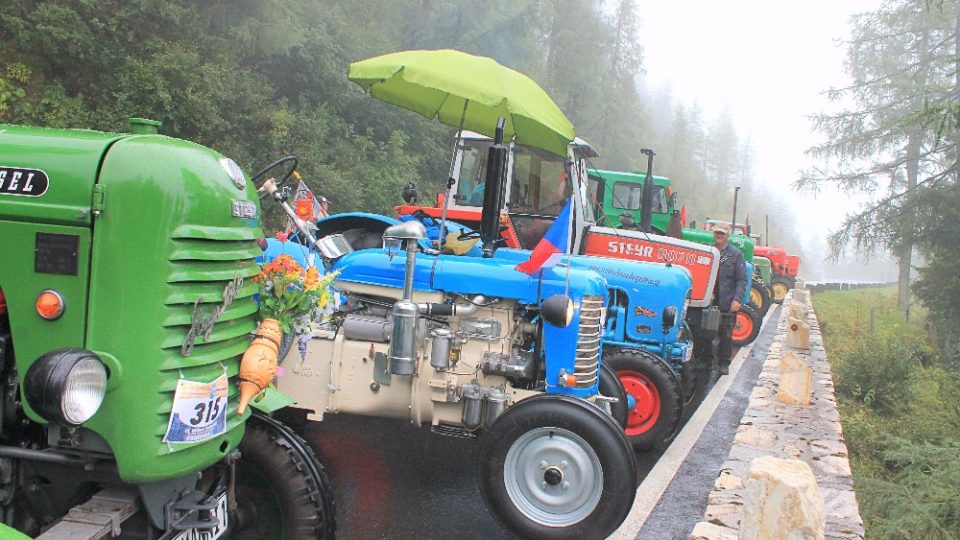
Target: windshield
(628,195)
(539,184)
(473,172)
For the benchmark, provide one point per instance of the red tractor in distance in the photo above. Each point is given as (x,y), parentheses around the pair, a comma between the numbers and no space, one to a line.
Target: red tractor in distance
(784,267)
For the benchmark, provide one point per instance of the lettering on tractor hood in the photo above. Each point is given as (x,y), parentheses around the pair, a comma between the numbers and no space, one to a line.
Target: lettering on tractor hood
(23,182)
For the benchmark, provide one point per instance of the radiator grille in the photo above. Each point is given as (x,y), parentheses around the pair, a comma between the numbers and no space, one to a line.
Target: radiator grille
(202,263)
(587,362)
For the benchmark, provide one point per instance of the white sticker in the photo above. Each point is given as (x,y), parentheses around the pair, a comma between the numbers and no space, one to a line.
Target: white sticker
(199,411)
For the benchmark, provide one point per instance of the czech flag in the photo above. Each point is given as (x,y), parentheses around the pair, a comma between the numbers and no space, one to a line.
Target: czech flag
(553,246)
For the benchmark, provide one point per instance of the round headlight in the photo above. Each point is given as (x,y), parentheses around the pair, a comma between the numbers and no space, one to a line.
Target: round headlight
(66,386)
(557,310)
(84,390)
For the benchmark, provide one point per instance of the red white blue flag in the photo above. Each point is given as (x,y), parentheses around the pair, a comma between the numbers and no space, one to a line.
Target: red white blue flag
(553,246)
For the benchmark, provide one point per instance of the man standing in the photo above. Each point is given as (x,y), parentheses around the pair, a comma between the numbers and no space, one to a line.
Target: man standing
(730,288)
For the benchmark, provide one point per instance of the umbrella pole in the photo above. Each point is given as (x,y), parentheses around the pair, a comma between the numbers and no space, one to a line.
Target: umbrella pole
(453,161)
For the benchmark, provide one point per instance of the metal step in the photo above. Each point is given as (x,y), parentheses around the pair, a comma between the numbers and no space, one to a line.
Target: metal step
(99,517)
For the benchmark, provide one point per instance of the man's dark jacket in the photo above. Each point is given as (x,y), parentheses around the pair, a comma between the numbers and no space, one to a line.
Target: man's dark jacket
(731,277)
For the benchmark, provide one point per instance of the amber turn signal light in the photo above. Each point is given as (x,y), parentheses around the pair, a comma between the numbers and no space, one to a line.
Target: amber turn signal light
(50,304)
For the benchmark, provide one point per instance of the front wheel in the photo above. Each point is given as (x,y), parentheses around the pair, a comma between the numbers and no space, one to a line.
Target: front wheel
(282,489)
(657,400)
(746,326)
(556,467)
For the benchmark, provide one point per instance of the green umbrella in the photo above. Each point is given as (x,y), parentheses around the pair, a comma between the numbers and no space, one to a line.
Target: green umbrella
(467,91)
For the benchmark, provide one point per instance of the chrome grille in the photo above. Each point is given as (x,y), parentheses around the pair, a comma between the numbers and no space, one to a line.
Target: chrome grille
(587,361)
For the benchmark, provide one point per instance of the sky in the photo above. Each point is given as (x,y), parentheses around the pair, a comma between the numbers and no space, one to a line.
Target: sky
(769,63)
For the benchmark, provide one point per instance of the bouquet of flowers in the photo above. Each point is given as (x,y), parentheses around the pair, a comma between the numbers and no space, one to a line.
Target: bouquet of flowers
(288,292)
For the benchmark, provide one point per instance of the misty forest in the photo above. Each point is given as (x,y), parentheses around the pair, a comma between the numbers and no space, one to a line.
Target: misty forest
(259,79)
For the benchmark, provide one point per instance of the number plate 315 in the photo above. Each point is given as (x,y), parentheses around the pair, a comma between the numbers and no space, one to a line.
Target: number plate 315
(199,411)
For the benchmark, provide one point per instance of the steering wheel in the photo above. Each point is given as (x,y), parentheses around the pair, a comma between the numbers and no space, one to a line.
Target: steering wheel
(261,176)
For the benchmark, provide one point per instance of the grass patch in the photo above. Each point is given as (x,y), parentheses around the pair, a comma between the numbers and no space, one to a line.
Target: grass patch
(900,409)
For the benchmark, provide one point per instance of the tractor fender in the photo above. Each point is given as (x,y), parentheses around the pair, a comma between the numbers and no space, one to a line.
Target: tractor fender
(271,400)
(362,229)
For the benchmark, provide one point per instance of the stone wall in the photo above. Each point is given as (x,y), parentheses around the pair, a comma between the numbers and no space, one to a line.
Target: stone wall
(810,433)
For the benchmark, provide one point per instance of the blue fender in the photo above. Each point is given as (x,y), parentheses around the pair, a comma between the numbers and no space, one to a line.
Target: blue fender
(746,291)
(297,251)
(377,223)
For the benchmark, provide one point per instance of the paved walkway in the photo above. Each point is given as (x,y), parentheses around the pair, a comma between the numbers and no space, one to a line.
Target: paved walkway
(673,497)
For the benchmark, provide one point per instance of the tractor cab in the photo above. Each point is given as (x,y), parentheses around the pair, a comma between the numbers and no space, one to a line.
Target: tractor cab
(538,186)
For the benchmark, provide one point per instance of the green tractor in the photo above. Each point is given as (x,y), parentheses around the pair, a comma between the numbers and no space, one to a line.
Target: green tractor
(126,302)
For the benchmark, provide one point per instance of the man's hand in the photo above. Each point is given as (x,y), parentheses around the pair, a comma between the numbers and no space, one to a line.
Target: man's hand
(735,305)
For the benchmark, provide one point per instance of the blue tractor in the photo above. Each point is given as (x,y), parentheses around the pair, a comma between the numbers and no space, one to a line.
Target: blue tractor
(653,361)
(474,348)
(645,341)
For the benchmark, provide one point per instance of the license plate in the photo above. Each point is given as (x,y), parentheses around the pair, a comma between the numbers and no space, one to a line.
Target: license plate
(209,534)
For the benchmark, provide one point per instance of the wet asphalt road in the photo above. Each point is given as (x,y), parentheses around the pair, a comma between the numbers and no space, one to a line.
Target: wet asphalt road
(393,480)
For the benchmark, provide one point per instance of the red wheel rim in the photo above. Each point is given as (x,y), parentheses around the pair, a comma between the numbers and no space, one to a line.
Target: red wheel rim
(646,411)
(743,328)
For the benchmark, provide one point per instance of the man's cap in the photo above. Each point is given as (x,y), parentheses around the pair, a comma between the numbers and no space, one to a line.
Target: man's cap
(721,228)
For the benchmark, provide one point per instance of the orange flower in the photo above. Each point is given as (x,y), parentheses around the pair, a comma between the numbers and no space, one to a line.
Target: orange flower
(304,209)
(312,276)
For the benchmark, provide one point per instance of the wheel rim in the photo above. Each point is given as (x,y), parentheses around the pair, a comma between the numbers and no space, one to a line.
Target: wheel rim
(743,327)
(779,291)
(553,477)
(756,297)
(645,411)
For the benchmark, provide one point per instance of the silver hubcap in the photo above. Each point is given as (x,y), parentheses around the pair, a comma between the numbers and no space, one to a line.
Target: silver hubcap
(553,477)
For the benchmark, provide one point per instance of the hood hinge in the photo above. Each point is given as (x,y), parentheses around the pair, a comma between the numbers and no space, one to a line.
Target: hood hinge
(97,204)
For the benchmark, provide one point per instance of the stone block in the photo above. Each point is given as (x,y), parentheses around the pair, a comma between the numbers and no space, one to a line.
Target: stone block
(755,436)
(795,379)
(709,531)
(782,502)
(799,311)
(798,334)
(801,284)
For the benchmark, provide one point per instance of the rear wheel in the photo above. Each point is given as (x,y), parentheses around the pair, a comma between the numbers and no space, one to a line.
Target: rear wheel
(746,327)
(556,467)
(282,489)
(780,288)
(655,394)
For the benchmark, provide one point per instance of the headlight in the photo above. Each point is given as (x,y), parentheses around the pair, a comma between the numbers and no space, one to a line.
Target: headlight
(557,310)
(66,386)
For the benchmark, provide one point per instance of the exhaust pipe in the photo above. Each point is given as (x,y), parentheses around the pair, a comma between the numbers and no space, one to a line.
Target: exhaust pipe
(405,313)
